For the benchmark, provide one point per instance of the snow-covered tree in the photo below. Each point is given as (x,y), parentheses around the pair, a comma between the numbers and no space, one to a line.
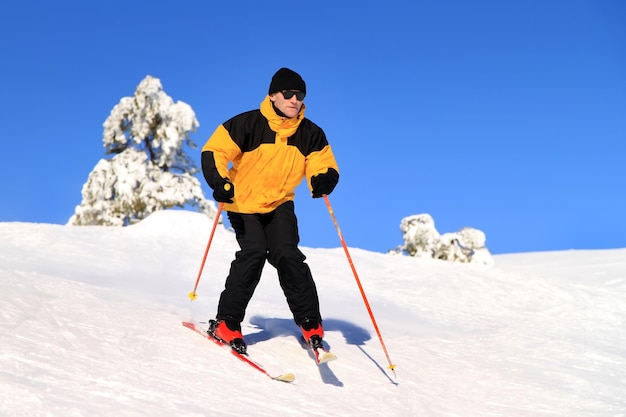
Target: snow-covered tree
(421,239)
(420,236)
(150,170)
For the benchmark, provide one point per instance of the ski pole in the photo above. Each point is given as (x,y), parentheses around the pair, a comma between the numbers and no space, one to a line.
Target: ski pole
(193,295)
(358,281)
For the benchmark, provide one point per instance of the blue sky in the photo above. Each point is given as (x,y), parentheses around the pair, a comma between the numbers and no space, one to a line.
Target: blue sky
(509,117)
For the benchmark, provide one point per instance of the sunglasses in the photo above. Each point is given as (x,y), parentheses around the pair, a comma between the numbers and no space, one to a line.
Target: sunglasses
(290,93)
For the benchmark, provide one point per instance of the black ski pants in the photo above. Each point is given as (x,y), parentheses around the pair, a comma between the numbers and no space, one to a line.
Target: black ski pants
(272,236)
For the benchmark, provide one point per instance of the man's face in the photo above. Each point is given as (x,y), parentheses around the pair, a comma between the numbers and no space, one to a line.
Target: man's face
(290,107)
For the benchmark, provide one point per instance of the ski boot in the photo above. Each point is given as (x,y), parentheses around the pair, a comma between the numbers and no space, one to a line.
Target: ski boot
(229,332)
(313,332)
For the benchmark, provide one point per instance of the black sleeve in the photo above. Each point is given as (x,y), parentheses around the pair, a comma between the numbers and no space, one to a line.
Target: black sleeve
(211,174)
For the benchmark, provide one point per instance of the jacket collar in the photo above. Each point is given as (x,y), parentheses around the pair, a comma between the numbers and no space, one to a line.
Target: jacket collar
(280,124)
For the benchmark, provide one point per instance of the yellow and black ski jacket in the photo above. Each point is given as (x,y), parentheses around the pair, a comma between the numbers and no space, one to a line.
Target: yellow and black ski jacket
(265,156)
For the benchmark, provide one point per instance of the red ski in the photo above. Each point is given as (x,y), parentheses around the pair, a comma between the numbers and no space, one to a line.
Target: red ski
(288,377)
(321,354)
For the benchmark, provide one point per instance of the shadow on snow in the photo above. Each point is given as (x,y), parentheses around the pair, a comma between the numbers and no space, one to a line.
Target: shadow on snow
(271,327)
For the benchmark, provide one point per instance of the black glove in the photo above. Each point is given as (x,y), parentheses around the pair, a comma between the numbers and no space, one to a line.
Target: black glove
(224,191)
(324,183)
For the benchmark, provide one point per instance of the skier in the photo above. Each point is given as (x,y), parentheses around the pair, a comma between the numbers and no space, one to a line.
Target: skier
(269,151)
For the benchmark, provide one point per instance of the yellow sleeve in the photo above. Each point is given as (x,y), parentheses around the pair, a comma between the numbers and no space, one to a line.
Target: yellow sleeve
(318,162)
(224,149)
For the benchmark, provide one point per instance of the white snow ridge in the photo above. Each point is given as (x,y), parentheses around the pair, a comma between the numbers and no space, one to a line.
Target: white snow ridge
(91,326)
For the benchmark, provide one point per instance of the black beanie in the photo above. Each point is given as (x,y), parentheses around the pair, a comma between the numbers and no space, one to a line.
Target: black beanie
(286,79)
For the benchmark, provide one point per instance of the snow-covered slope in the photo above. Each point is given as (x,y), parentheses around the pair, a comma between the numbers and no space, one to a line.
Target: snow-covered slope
(91,326)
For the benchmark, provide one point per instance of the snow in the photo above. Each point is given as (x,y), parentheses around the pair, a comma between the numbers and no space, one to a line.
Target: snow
(91,326)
